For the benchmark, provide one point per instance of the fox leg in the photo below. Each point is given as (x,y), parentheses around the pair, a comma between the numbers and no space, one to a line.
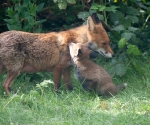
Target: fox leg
(57,73)
(10,77)
(67,78)
(13,66)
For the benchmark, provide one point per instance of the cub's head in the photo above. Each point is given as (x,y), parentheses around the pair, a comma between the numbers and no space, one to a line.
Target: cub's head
(78,51)
(97,37)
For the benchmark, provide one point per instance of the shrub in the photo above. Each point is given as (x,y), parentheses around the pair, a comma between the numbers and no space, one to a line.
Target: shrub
(23,16)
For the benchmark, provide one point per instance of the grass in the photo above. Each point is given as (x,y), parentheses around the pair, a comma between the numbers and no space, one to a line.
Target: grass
(32,104)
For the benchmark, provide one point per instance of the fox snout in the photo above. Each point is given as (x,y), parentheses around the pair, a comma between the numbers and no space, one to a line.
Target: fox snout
(103,52)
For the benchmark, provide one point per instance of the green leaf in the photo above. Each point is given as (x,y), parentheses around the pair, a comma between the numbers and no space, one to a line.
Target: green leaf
(101,8)
(14,1)
(136,52)
(38,30)
(113,61)
(55,1)
(134,19)
(101,17)
(39,7)
(122,43)
(83,15)
(94,6)
(25,3)
(132,49)
(10,27)
(111,71)
(120,69)
(9,21)
(45,83)
(116,16)
(26,28)
(122,57)
(71,1)
(111,8)
(10,12)
(34,93)
(31,7)
(127,36)
(133,29)
(39,22)
(132,11)
(125,22)
(118,28)
(16,18)
(62,4)
(31,20)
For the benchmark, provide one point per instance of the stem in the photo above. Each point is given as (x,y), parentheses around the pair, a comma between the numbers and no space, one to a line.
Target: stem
(10,99)
(105,18)
(146,21)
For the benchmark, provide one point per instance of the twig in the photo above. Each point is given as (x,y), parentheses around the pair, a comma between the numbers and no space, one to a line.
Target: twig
(10,99)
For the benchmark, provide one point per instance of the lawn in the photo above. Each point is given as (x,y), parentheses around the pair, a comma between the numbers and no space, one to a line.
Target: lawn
(35,103)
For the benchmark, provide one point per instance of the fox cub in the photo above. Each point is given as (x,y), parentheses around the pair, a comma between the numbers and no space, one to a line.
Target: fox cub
(90,75)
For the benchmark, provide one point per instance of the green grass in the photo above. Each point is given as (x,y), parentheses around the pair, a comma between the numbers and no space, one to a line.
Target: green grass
(28,106)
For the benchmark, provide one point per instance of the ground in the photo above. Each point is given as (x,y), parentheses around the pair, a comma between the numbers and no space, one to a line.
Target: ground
(35,103)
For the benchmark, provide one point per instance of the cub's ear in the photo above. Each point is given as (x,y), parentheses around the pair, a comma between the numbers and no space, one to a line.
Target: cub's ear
(79,52)
(90,24)
(95,18)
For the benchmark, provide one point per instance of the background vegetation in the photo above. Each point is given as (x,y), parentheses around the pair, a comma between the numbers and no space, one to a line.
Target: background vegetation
(128,26)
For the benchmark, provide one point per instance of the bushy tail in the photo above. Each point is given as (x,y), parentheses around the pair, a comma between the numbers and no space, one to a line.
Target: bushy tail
(121,86)
(111,89)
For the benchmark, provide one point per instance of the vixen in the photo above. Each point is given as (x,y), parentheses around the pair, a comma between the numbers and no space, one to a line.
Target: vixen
(90,75)
(34,52)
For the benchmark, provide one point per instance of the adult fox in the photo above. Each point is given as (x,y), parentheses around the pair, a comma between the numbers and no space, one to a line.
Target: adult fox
(32,52)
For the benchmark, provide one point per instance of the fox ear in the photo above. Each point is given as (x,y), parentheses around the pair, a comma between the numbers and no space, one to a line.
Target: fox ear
(79,52)
(90,24)
(95,18)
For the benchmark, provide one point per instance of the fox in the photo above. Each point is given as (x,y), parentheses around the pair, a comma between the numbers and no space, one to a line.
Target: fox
(34,52)
(90,75)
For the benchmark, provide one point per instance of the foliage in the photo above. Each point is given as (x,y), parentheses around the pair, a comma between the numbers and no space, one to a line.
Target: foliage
(23,16)
(129,28)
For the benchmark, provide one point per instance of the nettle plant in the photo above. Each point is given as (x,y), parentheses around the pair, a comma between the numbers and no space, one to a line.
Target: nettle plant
(23,16)
(128,28)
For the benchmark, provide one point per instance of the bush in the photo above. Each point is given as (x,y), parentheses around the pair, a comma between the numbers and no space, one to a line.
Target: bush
(23,16)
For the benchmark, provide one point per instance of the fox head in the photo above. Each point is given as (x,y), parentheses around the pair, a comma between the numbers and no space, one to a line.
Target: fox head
(78,51)
(97,38)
